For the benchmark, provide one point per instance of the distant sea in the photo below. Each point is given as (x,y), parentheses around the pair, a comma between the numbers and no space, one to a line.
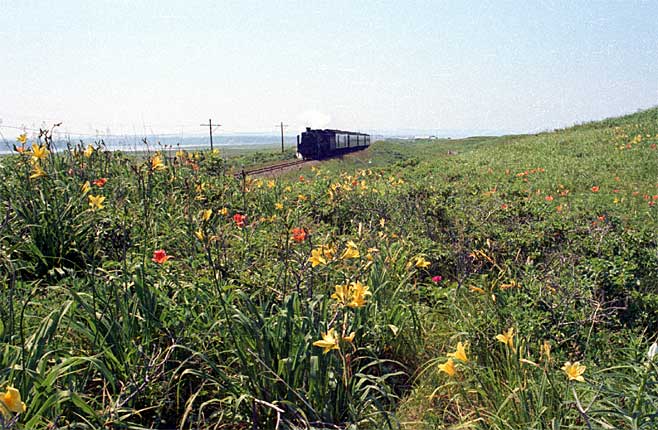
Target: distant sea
(158,143)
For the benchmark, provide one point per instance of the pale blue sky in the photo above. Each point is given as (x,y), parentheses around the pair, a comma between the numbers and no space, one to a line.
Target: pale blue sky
(367,65)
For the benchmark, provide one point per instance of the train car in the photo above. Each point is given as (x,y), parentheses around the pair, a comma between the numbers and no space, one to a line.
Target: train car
(318,144)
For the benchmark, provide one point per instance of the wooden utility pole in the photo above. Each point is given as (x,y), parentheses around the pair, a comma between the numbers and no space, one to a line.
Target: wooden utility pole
(282,125)
(209,125)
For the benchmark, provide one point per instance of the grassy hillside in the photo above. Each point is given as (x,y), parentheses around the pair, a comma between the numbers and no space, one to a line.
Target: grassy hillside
(493,282)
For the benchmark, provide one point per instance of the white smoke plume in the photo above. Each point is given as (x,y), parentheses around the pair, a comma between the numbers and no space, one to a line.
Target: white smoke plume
(314,119)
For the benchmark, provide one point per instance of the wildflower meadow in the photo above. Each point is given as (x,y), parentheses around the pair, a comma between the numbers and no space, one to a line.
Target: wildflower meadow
(485,283)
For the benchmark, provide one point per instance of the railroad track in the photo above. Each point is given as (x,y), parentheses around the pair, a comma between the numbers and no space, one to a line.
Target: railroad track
(271,168)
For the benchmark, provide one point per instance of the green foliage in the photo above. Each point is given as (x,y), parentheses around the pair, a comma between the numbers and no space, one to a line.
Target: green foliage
(334,301)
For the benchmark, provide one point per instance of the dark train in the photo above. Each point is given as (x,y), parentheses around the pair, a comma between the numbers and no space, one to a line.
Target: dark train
(317,144)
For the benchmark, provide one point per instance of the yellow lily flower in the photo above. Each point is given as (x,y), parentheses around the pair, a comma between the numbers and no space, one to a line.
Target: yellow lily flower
(206,214)
(199,235)
(278,206)
(342,293)
(349,338)
(329,341)
(574,371)
(223,211)
(421,263)
(507,337)
(460,353)
(96,202)
(11,399)
(358,294)
(271,184)
(157,164)
(39,152)
(317,257)
(448,367)
(352,251)
(89,151)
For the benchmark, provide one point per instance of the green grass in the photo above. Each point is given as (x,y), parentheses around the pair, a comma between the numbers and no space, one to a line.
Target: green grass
(553,235)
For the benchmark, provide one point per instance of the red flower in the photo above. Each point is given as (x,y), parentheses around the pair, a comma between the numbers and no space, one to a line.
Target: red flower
(595,189)
(239,219)
(436,279)
(549,198)
(99,182)
(298,234)
(160,256)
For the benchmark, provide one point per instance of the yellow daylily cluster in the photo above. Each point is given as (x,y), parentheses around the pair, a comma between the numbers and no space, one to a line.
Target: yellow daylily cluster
(37,154)
(573,371)
(10,401)
(352,295)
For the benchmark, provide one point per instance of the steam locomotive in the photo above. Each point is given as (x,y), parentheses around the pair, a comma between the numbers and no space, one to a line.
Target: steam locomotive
(318,144)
